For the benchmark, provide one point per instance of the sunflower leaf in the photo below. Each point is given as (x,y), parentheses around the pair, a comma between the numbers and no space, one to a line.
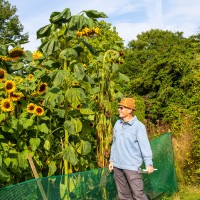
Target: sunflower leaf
(52,168)
(43,128)
(84,147)
(86,111)
(70,155)
(44,31)
(79,71)
(4,175)
(26,122)
(95,14)
(2,117)
(75,96)
(58,77)
(34,143)
(17,66)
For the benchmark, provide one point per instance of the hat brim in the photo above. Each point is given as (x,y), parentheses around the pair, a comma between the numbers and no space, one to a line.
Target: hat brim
(121,104)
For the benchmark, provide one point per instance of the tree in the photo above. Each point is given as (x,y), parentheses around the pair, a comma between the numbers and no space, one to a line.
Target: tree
(157,63)
(10,27)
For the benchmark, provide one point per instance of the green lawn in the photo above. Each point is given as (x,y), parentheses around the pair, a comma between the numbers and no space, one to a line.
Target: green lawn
(186,193)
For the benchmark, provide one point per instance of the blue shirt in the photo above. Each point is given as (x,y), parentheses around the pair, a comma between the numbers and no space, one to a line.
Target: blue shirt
(130,145)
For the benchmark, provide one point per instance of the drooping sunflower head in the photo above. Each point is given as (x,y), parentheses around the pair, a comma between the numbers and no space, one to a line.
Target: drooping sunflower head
(42,88)
(5,58)
(2,75)
(15,96)
(30,77)
(6,105)
(39,110)
(37,55)
(31,107)
(87,32)
(10,86)
(79,33)
(16,52)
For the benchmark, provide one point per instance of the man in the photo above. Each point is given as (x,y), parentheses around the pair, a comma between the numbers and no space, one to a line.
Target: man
(129,149)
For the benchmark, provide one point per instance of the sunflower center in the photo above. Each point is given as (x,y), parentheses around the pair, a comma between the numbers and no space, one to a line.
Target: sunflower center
(39,110)
(31,107)
(9,86)
(1,74)
(42,87)
(6,105)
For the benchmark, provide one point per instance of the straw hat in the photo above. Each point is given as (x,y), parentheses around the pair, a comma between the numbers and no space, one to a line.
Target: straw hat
(128,103)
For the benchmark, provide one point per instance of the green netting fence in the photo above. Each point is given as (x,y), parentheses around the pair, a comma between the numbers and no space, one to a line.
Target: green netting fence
(98,184)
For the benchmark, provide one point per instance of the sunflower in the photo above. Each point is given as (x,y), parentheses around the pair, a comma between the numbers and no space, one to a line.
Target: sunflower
(18,79)
(34,94)
(10,86)
(79,33)
(42,88)
(5,58)
(31,107)
(15,96)
(2,75)
(37,55)
(6,105)
(30,77)
(75,83)
(15,53)
(39,110)
(88,32)
(96,30)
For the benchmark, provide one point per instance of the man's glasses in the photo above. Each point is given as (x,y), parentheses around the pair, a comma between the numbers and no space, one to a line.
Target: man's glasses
(122,107)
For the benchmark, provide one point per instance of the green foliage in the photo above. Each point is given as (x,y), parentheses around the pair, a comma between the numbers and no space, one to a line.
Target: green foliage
(10,27)
(64,93)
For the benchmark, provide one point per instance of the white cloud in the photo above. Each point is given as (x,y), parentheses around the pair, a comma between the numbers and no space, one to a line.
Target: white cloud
(110,7)
(174,15)
(129,31)
(154,11)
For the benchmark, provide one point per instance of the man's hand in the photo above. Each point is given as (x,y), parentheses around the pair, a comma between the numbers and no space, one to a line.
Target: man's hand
(149,169)
(110,166)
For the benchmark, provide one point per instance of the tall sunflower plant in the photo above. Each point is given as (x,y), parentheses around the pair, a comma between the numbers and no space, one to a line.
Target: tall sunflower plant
(22,114)
(51,107)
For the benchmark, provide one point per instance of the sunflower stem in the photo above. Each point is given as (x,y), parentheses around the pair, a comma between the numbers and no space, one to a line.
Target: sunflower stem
(37,127)
(66,142)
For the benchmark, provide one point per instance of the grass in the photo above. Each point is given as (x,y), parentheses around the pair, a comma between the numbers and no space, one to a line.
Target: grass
(186,193)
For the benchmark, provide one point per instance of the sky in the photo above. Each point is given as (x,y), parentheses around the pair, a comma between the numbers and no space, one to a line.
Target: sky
(130,17)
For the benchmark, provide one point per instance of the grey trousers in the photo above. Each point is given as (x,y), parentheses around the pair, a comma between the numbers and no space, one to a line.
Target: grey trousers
(129,184)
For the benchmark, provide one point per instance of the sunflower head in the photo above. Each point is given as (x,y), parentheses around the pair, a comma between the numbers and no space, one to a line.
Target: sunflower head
(31,107)
(30,77)
(39,110)
(87,32)
(34,94)
(6,105)
(2,75)
(75,83)
(37,55)
(42,88)
(15,96)
(5,58)
(10,86)
(16,52)
(18,79)
(79,33)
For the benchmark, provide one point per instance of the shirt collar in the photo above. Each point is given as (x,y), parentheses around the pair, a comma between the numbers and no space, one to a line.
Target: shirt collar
(131,122)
